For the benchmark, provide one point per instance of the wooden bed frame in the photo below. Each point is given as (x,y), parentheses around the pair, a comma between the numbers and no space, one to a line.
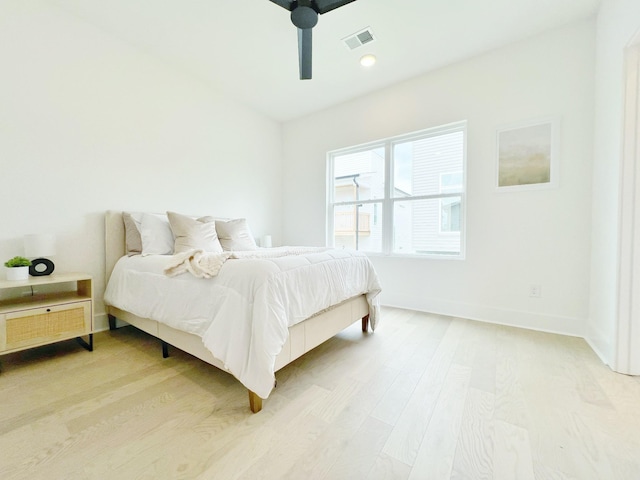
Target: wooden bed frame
(303,336)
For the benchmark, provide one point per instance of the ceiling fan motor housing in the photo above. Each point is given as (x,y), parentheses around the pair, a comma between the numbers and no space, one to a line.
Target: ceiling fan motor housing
(304,17)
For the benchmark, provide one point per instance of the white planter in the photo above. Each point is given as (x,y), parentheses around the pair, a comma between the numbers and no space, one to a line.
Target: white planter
(18,273)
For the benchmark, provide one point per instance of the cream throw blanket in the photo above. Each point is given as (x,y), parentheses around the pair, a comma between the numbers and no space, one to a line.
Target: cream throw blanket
(203,264)
(199,263)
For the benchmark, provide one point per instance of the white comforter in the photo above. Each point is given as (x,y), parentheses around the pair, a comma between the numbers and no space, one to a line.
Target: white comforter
(243,313)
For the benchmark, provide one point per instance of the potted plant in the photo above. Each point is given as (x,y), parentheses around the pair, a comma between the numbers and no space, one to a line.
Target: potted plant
(18,268)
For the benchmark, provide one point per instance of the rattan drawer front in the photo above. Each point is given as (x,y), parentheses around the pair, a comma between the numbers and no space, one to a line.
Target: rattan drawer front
(43,325)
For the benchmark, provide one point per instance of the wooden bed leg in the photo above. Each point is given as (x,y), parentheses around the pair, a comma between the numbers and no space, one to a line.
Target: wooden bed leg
(112,321)
(255,402)
(365,323)
(165,349)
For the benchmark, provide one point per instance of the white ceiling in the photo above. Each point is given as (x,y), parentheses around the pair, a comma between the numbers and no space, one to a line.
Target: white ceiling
(248,48)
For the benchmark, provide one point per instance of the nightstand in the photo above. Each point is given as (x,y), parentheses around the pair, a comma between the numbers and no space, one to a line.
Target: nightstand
(44,310)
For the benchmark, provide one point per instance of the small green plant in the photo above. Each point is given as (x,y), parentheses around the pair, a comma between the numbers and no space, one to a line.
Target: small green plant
(17,262)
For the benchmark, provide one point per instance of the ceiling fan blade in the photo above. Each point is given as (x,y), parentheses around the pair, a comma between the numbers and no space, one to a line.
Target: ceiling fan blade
(324,6)
(304,53)
(284,4)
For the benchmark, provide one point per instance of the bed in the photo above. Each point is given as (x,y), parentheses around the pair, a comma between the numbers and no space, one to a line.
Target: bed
(156,316)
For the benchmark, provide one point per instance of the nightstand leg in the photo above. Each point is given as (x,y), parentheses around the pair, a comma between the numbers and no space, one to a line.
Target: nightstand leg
(88,346)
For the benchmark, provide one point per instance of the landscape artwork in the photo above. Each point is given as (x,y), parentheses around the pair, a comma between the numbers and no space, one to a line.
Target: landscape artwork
(525,156)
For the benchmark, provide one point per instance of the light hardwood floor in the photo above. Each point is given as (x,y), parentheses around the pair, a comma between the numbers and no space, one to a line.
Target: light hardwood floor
(424,397)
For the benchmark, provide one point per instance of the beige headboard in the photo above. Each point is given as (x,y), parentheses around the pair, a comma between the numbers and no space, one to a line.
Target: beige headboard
(114,240)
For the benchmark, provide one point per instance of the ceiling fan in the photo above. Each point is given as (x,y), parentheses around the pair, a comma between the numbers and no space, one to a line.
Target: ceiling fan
(304,15)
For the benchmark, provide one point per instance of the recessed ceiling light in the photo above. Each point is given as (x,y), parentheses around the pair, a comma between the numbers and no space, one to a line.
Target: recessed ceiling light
(368,60)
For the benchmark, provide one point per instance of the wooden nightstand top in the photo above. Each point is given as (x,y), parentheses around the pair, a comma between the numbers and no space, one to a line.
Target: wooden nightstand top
(45,280)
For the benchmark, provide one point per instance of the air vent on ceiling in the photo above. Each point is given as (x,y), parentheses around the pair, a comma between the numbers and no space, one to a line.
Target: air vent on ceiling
(359,38)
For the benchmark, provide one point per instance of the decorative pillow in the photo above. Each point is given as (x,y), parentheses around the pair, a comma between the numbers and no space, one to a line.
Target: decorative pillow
(133,241)
(190,233)
(156,234)
(235,235)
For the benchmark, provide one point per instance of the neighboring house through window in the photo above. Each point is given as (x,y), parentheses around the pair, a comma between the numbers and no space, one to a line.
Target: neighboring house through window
(401,195)
(450,207)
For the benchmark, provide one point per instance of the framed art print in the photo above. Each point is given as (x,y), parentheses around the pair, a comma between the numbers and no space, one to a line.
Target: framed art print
(527,156)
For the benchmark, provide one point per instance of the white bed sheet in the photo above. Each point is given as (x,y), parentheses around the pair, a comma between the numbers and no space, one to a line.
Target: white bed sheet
(243,313)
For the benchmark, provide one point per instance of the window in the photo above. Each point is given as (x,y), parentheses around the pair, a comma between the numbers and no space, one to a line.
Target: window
(402,195)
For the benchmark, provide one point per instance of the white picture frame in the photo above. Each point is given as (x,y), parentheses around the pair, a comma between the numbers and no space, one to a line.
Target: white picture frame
(526,154)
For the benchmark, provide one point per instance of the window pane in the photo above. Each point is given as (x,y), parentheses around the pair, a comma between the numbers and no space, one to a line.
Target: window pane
(428,166)
(450,214)
(358,227)
(427,226)
(359,176)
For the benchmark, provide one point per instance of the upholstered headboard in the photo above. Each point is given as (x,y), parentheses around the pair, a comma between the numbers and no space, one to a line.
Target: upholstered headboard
(114,240)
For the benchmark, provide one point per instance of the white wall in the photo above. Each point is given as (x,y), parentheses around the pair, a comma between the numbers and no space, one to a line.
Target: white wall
(88,124)
(618,22)
(513,239)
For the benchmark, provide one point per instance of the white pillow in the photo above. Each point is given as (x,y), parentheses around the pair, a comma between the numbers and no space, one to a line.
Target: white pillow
(191,234)
(235,235)
(157,237)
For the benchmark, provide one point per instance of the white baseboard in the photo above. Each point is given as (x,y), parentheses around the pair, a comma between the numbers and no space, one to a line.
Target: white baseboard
(574,327)
(598,351)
